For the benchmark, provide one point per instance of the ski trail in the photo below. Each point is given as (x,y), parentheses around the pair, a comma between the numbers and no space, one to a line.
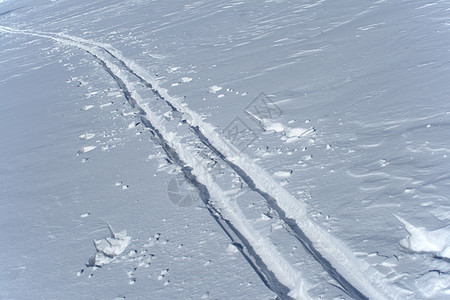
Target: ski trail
(355,276)
(274,270)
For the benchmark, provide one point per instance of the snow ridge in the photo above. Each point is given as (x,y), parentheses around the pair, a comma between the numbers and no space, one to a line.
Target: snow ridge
(355,276)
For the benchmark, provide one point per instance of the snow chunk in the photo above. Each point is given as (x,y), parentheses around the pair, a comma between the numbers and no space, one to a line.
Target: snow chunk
(232,249)
(108,248)
(290,134)
(214,89)
(106,104)
(273,126)
(296,132)
(186,79)
(86,149)
(283,174)
(436,242)
(86,136)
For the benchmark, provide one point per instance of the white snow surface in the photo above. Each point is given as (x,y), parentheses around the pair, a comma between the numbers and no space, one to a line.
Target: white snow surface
(312,136)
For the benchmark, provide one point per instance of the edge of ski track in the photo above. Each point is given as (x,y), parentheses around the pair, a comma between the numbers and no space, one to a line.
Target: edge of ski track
(284,272)
(334,250)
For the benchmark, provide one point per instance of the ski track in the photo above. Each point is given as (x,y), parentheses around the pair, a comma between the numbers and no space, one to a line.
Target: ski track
(356,277)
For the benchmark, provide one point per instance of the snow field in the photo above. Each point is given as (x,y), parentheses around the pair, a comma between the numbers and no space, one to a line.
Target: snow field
(334,251)
(376,148)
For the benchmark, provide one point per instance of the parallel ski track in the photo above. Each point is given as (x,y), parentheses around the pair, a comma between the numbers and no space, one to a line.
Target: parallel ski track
(254,248)
(238,240)
(295,229)
(334,256)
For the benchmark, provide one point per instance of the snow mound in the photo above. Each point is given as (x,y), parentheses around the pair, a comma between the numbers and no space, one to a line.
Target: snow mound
(108,248)
(436,242)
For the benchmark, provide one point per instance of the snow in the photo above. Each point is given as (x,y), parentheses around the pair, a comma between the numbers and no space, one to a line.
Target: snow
(214,89)
(85,149)
(436,242)
(246,150)
(108,248)
(434,285)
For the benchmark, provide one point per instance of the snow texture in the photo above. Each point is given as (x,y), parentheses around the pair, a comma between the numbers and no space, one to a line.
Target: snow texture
(252,150)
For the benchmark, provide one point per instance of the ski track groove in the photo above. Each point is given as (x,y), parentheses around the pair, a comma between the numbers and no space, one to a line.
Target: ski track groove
(336,259)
